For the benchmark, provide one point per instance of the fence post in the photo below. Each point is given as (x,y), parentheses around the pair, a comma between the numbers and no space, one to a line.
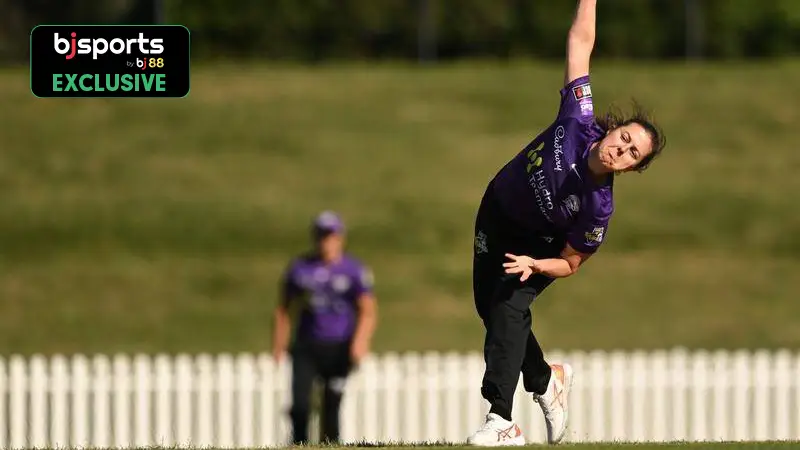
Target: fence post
(3,390)
(38,399)
(411,397)
(269,414)
(184,384)
(164,382)
(722,391)
(476,406)
(245,384)
(224,407)
(79,390)
(597,397)
(761,395)
(59,414)
(579,413)
(743,387)
(782,381)
(658,380)
(620,374)
(639,396)
(204,413)
(370,396)
(392,385)
(796,385)
(17,380)
(452,383)
(700,390)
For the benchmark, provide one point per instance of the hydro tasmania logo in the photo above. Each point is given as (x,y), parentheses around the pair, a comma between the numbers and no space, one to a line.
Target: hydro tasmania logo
(100,46)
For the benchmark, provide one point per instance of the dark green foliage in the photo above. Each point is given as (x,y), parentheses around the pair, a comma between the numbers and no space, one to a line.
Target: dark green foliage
(319,30)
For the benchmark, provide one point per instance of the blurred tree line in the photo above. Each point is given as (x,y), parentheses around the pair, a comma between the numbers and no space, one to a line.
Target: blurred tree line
(316,30)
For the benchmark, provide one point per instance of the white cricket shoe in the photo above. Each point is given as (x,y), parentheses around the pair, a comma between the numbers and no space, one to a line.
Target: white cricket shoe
(554,402)
(497,432)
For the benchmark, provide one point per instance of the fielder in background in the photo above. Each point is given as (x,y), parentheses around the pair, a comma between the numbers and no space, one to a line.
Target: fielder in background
(338,312)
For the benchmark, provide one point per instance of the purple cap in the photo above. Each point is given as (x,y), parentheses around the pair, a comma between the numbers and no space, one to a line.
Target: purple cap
(328,222)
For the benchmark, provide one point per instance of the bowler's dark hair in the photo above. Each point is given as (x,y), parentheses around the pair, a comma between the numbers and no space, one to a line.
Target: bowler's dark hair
(615,118)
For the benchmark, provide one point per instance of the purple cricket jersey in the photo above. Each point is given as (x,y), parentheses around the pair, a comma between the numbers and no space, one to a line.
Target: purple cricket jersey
(329,295)
(548,188)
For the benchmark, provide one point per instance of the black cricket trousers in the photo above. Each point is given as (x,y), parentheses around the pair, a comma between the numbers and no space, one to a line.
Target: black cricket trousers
(330,363)
(503,303)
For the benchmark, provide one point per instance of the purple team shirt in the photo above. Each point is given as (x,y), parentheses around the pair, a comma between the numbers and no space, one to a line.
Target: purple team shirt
(548,188)
(329,294)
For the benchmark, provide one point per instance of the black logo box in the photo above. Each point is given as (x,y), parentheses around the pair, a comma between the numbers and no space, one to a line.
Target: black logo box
(46,61)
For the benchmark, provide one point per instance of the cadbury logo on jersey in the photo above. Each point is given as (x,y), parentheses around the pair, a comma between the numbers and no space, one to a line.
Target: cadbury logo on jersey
(558,151)
(582,91)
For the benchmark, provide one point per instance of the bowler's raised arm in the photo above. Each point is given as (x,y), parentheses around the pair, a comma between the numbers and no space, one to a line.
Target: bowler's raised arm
(580,41)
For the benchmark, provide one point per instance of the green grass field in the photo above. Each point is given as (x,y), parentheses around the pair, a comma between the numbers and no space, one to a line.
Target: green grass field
(163,225)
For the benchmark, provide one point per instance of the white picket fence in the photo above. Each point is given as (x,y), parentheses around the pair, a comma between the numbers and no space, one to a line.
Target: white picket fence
(240,400)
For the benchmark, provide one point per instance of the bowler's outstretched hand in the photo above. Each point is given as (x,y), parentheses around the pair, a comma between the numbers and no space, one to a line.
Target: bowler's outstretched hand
(524,265)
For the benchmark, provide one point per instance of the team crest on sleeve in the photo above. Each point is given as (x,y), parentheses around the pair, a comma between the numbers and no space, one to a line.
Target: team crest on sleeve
(367,278)
(587,109)
(582,91)
(595,236)
(573,204)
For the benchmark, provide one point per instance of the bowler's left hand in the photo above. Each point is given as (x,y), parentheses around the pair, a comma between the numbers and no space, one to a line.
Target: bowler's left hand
(521,264)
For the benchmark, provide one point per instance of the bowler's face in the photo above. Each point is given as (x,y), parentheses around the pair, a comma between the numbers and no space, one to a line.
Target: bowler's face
(624,148)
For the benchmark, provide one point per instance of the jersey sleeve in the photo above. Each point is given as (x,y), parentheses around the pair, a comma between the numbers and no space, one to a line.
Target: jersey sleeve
(588,236)
(589,231)
(364,281)
(576,100)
